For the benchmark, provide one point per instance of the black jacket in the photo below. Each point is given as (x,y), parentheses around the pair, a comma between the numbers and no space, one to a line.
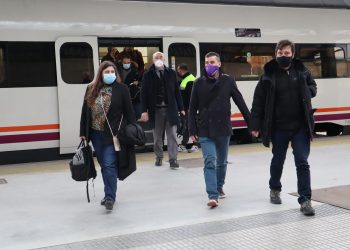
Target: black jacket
(214,119)
(120,105)
(148,94)
(130,78)
(264,99)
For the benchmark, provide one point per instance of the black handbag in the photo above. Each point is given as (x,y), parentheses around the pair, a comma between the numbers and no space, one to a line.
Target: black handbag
(82,166)
(132,134)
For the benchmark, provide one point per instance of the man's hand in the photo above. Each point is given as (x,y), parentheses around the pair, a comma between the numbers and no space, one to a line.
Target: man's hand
(144,117)
(183,112)
(255,133)
(194,138)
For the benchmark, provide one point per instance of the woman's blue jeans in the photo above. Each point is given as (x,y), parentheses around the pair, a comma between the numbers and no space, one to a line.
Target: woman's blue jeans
(107,158)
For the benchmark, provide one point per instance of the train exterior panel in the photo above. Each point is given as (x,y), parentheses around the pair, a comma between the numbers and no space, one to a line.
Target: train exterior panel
(40,106)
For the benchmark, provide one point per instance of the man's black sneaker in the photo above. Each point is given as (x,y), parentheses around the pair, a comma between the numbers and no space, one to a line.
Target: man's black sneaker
(221,193)
(109,204)
(174,164)
(275,197)
(159,162)
(307,209)
(103,201)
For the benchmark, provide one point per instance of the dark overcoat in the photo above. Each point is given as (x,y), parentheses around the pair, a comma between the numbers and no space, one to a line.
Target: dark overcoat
(148,95)
(120,105)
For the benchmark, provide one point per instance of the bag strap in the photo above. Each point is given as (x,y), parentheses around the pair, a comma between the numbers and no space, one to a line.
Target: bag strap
(87,191)
(104,112)
(87,175)
(82,142)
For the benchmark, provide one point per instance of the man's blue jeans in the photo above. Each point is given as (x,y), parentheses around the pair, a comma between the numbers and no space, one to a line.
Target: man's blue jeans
(300,142)
(107,158)
(215,163)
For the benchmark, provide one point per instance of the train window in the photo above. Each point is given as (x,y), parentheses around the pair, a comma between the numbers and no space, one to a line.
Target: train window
(76,63)
(242,61)
(27,64)
(182,53)
(324,60)
(139,49)
(348,58)
(140,57)
(2,66)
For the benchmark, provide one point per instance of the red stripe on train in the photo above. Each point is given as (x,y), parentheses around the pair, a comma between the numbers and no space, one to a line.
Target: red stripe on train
(29,137)
(238,123)
(332,117)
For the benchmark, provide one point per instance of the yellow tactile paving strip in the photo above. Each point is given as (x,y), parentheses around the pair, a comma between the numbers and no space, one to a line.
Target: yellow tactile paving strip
(62,165)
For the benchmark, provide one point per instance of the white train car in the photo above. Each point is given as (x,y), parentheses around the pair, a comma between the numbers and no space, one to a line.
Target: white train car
(48,48)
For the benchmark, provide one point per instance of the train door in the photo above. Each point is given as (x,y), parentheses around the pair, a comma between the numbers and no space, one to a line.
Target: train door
(140,52)
(182,50)
(76,64)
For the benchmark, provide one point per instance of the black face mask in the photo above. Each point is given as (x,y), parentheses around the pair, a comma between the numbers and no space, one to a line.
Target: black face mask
(284,61)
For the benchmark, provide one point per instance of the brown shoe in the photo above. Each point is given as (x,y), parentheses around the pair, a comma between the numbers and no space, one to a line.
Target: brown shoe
(212,203)
(222,194)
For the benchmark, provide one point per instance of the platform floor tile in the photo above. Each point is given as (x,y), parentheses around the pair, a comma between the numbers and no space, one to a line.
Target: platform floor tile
(329,229)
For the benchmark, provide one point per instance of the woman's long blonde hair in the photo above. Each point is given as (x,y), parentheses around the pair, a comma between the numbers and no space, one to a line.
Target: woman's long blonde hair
(96,85)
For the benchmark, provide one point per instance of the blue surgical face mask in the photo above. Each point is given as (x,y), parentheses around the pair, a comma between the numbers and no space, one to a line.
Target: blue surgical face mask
(109,78)
(126,65)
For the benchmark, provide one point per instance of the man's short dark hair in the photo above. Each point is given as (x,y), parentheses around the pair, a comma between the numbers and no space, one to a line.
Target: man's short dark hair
(183,66)
(210,54)
(283,43)
(109,49)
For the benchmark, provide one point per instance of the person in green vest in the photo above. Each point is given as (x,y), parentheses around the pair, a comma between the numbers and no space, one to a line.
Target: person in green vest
(186,89)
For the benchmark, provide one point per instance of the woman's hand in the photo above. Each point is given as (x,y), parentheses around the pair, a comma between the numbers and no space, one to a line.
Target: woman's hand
(194,138)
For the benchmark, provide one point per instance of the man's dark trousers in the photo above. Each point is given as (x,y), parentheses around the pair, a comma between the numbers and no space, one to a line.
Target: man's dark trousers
(300,143)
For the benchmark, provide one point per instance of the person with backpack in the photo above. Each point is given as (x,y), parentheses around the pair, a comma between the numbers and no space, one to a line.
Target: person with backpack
(107,108)
(210,97)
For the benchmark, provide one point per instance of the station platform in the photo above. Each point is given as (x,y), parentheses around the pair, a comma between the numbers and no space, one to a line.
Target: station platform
(41,207)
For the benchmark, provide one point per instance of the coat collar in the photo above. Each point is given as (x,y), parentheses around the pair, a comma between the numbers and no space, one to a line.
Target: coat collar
(153,68)
(272,66)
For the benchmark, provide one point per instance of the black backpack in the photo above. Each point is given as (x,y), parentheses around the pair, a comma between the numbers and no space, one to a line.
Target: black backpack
(82,165)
